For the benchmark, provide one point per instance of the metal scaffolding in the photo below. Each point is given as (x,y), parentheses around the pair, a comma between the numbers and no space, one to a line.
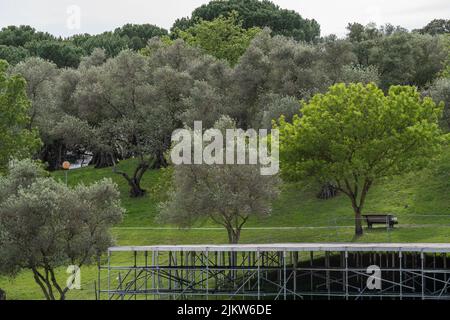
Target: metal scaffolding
(278,271)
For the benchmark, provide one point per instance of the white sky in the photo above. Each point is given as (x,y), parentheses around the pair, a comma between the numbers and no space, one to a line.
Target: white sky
(103,15)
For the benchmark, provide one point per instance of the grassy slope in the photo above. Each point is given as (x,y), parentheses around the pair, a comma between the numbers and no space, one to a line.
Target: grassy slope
(414,198)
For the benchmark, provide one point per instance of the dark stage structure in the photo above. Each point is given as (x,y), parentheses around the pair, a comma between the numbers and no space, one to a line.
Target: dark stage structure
(350,271)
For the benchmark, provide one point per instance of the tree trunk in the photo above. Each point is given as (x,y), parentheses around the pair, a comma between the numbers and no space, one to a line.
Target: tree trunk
(358,223)
(2,295)
(102,160)
(233,236)
(52,154)
(160,161)
(135,188)
(135,181)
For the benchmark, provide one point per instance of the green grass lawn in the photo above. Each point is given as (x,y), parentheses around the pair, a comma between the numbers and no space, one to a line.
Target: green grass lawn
(417,199)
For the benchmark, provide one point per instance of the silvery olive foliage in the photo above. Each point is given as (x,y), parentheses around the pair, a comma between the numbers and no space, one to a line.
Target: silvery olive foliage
(44,113)
(39,75)
(45,224)
(227,194)
(359,74)
(273,106)
(439,91)
(127,106)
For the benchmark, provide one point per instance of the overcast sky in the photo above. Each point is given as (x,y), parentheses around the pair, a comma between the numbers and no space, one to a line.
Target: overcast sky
(59,17)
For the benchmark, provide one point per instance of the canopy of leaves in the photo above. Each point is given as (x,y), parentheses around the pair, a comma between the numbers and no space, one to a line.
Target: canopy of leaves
(354,135)
(13,55)
(139,34)
(255,13)
(356,131)
(436,26)
(401,57)
(20,36)
(223,37)
(225,193)
(16,43)
(16,140)
(45,224)
(62,53)
(439,91)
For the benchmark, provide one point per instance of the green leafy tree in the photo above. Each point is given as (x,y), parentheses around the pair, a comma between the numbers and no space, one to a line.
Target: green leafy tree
(139,34)
(255,13)
(45,225)
(41,80)
(62,53)
(13,55)
(110,42)
(436,26)
(15,138)
(223,37)
(336,53)
(393,56)
(429,55)
(364,38)
(19,36)
(355,135)
(401,57)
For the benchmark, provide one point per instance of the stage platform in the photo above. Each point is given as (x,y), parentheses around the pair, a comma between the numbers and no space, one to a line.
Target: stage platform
(289,247)
(350,271)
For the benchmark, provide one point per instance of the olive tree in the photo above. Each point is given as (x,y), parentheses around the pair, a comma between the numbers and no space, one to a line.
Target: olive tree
(274,65)
(227,194)
(45,225)
(132,107)
(440,91)
(359,74)
(40,76)
(354,135)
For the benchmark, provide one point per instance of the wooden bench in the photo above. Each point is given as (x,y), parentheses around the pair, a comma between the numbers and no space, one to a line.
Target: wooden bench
(386,219)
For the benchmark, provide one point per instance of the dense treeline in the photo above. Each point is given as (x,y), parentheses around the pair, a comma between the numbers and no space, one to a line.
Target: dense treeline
(122,93)
(18,43)
(350,112)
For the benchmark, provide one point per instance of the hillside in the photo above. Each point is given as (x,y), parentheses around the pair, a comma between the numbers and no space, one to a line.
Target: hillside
(420,200)
(415,199)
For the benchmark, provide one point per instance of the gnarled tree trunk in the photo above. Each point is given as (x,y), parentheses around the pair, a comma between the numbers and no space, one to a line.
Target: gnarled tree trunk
(160,161)
(134,181)
(103,160)
(53,154)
